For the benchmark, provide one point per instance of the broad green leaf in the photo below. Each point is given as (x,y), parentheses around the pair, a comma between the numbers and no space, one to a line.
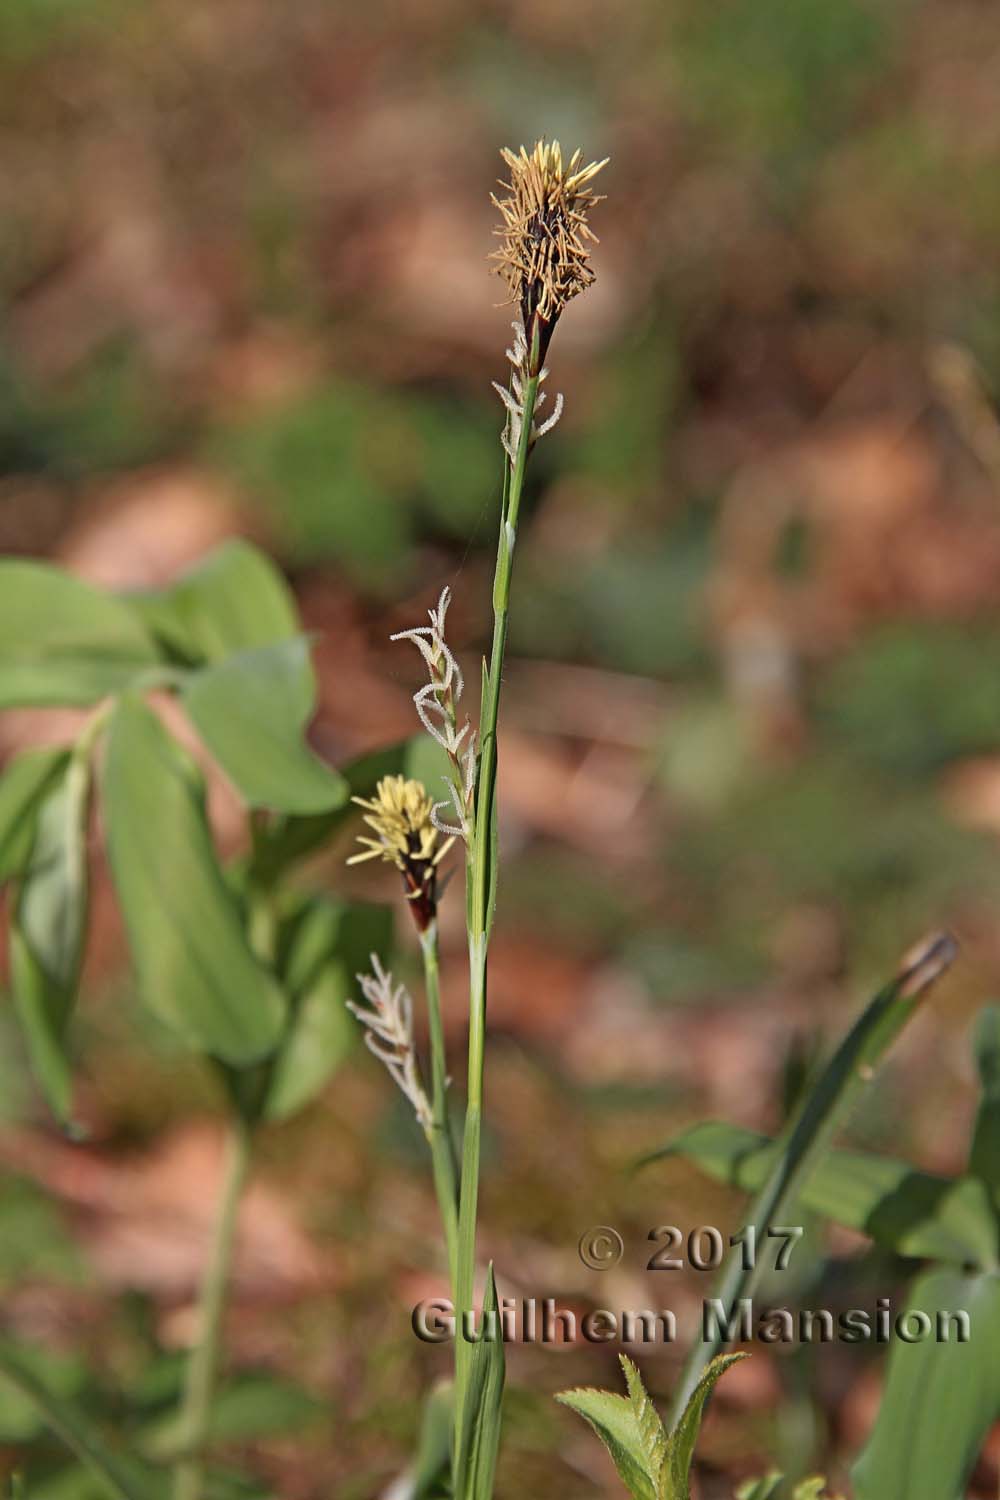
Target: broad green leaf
(810,1130)
(984,1157)
(940,1398)
(25,780)
(63,642)
(194,964)
(47,930)
(234,600)
(251,710)
(676,1471)
(329,943)
(247,1408)
(119,1477)
(813,1488)
(430,1467)
(613,1419)
(479,1438)
(909,1212)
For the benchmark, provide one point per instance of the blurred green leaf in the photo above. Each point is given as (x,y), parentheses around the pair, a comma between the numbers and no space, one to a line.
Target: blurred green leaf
(47,931)
(251,710)
(328,943)
(760,1489)
(433,1457)
(914,696)
(62,642)
(21,1419)
(909,1212)
(117,1476)
(249,1408)
(25,781)
(940,1398)
(234,600)
(195,968)
(333,469)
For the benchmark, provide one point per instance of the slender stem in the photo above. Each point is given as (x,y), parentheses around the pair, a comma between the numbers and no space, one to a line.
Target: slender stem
(202,1370)
(442,1146)
(482,897)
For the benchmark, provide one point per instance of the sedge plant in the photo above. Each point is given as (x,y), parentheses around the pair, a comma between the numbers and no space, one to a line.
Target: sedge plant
(247,965)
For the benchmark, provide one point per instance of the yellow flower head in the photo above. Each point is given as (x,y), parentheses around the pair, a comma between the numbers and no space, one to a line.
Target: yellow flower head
(399,816)
(544,258)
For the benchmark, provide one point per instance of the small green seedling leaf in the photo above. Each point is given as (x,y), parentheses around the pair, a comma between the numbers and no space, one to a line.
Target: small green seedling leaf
(652,1464)
(613,1419)
(63,642)
(234,600)
(47,931)
(24,783)
(676,1471)
(195,967)
(651,1431)
(251,710)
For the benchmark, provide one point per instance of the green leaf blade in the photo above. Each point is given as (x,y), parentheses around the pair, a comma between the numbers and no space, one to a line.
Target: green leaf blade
(25,781)
(47,932)
(194,964)
(63,642)
(234,600)
(910,1212)
(250,710)
(940,1399)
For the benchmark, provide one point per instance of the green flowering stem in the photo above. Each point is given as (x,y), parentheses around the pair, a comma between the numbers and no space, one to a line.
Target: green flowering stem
(481,892)
(439,1136)
(199,1387)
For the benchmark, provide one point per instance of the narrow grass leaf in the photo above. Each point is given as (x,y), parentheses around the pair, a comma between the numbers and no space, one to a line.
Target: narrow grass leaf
(907,1211)
(120,1478)
(251,711)
(194,964)
(478,1439)
(809,1132)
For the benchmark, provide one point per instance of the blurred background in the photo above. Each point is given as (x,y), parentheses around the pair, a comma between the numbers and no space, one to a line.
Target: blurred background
(751,744)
